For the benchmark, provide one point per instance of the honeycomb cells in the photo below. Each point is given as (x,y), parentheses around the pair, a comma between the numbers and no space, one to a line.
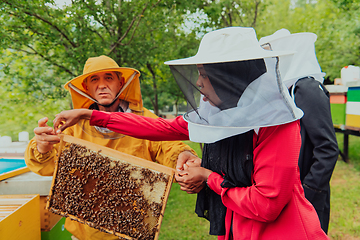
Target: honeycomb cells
(107,194)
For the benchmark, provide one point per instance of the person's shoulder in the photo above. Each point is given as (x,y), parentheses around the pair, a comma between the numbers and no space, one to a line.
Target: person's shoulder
(286,127)
(308,84)
(311,88)
(307,81)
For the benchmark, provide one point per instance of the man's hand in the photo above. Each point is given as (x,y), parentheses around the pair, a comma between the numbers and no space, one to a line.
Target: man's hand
(188,159)
(192,179)
(68,118)
(45,136)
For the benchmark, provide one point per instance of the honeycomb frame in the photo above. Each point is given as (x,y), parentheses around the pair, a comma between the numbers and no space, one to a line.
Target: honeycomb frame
(108,190)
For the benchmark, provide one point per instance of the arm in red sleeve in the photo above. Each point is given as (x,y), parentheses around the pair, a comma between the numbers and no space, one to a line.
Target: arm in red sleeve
(276,154)
(130,124)
(214,182)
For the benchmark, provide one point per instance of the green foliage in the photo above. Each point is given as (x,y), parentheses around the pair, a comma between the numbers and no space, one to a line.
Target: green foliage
(157,84)
(228,13)
(29,91)
(337,29)
(45,46)
(347,5)
(338,41)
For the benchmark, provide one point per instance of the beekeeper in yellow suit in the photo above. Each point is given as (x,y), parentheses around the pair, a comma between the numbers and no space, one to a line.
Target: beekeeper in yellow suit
(107,87)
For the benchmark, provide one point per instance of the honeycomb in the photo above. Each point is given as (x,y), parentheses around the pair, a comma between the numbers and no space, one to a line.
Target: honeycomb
(109,193)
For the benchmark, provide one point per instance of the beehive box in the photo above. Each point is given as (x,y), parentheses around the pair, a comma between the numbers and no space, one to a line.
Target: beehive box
(109,190)
(30,183)
(19,217)
(353,107)
(338,107)
(338,99)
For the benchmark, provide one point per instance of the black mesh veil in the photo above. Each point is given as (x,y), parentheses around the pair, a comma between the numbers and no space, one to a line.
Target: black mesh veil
(229,81)
(242,95)
(186,77)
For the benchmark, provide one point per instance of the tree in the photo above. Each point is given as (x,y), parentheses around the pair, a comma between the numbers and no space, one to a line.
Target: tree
(158,85)
(227,13)
(45,46)
(24,99)
(339,45)
(336,29)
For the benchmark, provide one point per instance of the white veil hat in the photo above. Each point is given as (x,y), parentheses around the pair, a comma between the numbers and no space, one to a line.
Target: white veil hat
(264,102)
(304,62)
(228,45)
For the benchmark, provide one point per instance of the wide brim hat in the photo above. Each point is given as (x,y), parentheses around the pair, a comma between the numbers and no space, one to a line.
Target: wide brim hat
(229,45)
(130,92)
(284,33)
(304,63)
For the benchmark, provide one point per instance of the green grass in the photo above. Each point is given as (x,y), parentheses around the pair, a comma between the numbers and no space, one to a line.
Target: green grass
(181,222)
(354,147)
(345,203)
(345,194)
(195,146)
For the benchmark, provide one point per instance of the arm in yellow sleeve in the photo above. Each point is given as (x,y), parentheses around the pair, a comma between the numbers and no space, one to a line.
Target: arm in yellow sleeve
(42,163)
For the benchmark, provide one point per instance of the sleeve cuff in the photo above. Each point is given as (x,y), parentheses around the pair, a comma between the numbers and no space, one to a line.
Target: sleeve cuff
(40,157)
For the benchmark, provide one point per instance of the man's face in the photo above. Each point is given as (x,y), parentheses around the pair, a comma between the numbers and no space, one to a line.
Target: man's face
(103,86)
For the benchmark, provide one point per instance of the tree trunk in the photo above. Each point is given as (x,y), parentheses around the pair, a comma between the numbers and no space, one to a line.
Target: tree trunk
(155,102)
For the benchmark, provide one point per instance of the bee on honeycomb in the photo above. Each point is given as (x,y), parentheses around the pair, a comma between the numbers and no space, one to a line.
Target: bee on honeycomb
(107,194)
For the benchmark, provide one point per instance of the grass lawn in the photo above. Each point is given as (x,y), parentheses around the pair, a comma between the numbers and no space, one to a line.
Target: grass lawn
(345,194)
(345,203)
(181,222)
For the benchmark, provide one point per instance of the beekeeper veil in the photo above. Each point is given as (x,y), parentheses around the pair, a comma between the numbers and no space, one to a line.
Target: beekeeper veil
(304,62)
(233,85)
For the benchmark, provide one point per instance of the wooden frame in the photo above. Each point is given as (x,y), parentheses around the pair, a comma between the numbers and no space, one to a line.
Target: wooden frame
(115,156)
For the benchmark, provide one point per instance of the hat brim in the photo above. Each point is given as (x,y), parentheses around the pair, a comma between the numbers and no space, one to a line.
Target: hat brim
(274,38)
(133,97)
(77,82)
(248,54)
